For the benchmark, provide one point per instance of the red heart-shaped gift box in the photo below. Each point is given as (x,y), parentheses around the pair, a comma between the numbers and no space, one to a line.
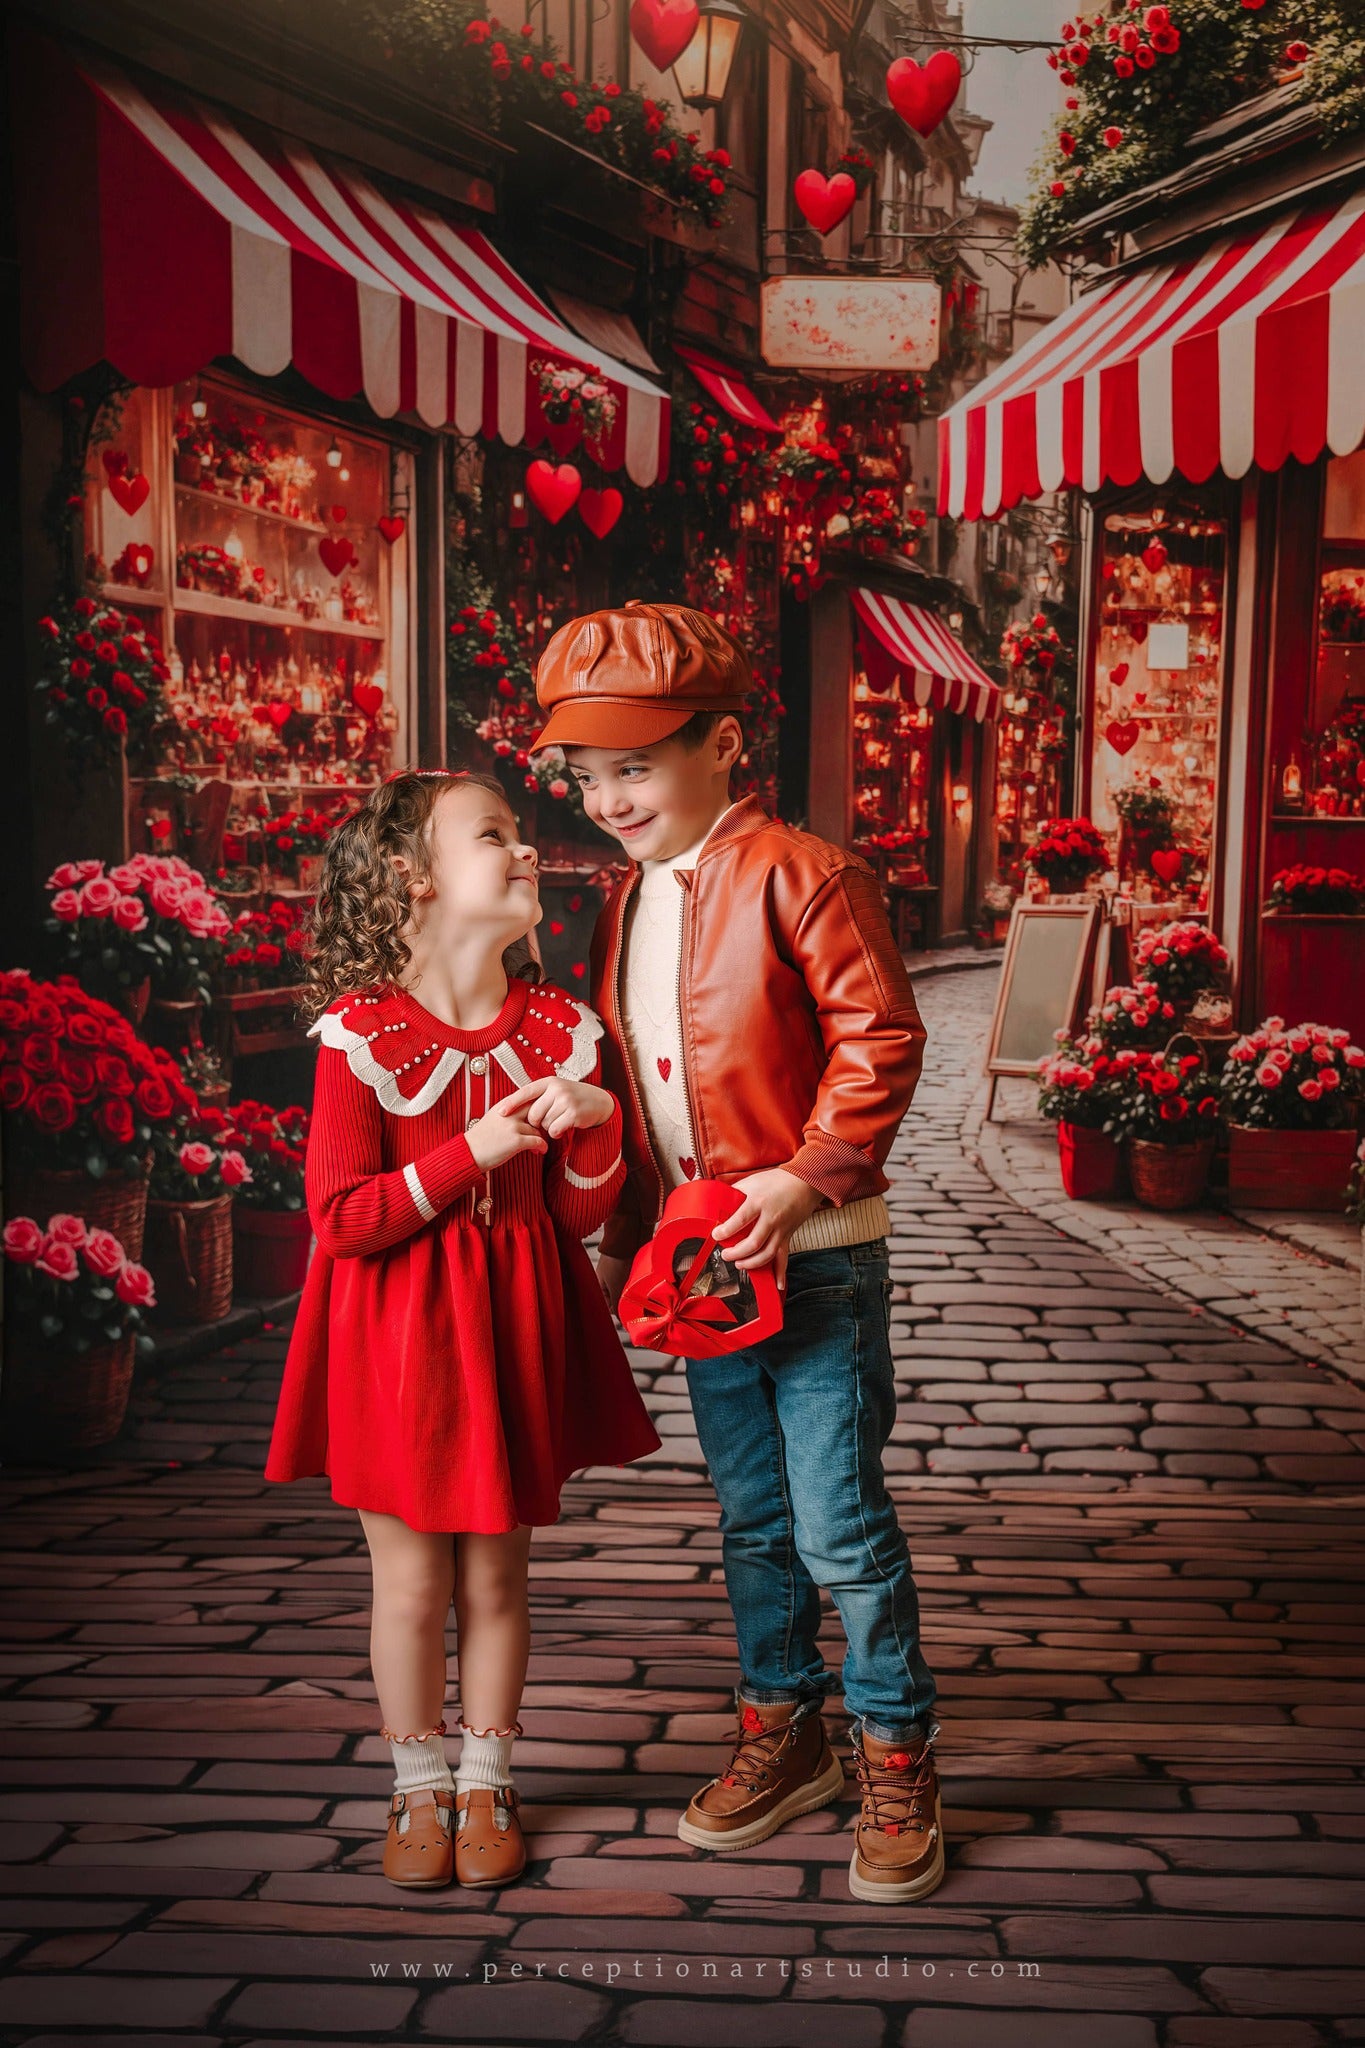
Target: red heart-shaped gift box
(683,1295)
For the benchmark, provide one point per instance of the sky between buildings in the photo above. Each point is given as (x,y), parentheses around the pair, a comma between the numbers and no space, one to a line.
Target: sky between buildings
(1018,92)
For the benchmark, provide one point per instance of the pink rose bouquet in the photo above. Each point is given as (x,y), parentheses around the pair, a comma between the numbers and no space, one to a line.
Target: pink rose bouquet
(72,1285)
(1298,1077)
(151,916)
(1180,959)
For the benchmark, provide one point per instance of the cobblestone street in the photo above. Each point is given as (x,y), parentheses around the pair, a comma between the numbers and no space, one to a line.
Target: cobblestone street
(1138,1531)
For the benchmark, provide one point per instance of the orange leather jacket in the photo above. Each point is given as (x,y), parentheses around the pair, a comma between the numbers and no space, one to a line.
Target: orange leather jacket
(802,1040)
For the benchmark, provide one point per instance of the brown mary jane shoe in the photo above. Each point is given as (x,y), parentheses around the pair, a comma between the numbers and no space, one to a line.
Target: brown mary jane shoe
(489,1849)
(420,1849)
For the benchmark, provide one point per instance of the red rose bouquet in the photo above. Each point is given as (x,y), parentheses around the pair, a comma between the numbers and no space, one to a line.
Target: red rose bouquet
(268,947)
(1166,1098)
(153,915)
(73,1286)
(1180,959)
(1301,1077)
(1067,852)
(274,1143)
(78,1087)
(1324,892)
(102,677)
(1031,643)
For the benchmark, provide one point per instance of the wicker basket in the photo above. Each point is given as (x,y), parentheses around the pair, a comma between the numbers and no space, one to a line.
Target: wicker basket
(53,1402)
(189,1255)
(118,1202)
(1169,1176)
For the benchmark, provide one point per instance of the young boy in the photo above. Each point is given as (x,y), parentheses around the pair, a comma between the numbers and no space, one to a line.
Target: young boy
(761,1029)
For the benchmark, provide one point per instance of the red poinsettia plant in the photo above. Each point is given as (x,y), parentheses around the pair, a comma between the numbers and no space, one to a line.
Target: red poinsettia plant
(102,679)
(1179,959)
(73,1285)
(1067,852)
(274,1143)
(1324,892)
(1164,1098)
(1297,1077)
(78,1087)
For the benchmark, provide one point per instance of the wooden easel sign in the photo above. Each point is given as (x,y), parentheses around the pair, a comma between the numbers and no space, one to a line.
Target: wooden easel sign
(1044,986)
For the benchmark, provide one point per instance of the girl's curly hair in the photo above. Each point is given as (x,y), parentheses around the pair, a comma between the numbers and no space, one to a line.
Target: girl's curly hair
(356,938)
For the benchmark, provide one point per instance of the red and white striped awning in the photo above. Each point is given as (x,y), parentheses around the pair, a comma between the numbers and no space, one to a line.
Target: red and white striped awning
(729,391)
(898,638)
(157,234)
(1249,353)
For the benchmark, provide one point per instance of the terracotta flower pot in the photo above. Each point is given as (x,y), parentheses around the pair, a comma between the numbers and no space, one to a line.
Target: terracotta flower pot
(53,1402)
(1091,1162)
(1169,1176)
(1289,1169)
(189,1256)
(117,1203)
(270,1251)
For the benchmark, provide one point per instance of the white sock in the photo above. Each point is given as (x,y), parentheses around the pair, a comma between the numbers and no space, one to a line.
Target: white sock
(421,1763)
(484,1759)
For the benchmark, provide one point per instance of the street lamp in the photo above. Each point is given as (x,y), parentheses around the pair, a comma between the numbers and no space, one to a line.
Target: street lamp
(702,72)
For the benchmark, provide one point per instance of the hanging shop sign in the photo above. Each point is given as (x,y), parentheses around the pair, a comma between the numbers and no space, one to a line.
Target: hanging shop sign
(851,323)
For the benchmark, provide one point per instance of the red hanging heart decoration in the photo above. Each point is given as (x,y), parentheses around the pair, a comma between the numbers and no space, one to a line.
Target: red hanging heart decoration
(261,714)
(280,713)
(554,491)
(392,527)
(367,697)
(662,1306)
(1123,737)
(922,96)
(115,461)
(1138,630)
(664,28)
(140,560)
(665,1067)
(338,513)
(600,510)
(1167,862)
(1118,675)
(1139,696)
(129,492)
(1154,555)
(336,552)
(825,201)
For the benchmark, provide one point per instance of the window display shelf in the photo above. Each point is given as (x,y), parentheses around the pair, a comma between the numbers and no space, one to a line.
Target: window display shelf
(239,509)
(133,594)
(267,615)
(1311,818)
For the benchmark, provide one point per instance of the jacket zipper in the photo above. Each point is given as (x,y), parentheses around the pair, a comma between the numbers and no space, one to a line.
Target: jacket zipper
(621,1040)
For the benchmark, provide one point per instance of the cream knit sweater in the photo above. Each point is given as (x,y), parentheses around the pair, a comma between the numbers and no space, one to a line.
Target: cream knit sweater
(652,1026)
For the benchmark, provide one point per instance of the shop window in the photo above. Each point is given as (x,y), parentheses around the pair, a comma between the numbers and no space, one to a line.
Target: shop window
(1157,694)
(739,121)
(269,552)
(892,748)
(1327,774)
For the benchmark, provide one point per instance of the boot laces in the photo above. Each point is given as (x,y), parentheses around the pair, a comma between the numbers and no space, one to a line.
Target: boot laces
(896,1795)
(756,1749)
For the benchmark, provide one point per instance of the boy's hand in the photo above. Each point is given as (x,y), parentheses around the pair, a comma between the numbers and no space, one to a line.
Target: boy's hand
(775,1204)
(503,1132)
(612,1275)
(556,1106)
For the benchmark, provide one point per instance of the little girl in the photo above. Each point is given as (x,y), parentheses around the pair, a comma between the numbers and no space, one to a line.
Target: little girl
(453,1360)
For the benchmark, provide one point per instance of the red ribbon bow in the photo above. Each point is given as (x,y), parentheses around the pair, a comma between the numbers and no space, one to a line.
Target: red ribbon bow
(670,1306)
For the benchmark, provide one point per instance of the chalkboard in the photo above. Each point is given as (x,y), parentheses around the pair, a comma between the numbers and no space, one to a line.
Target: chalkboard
(1042,983)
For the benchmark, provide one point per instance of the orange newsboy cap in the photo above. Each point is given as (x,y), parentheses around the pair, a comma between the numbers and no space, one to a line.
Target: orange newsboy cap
(628,677)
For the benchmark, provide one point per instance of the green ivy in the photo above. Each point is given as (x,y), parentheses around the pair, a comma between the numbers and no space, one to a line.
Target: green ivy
(1127,130)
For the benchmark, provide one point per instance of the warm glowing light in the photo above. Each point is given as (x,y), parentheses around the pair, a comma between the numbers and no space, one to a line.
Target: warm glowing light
(334,455)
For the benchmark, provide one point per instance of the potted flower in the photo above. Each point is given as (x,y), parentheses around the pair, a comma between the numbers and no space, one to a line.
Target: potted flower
(75,1307)
(1067,853)
(1146,822)
(82,1098)
(271,1226)
(312,830)
(1167,1110)
(237,887)
(103,677)
(1305,891)
(1077,1092)
(100,935)
(267,947)
(1135,1015)
(1292,1095)
(195,1172)
(1180,960)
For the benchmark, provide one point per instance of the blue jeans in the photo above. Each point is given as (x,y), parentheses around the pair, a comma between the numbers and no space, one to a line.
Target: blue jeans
(793,1430)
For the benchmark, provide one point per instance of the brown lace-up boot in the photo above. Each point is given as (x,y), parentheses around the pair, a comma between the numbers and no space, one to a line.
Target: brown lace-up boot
(898,1852)
(782,1765)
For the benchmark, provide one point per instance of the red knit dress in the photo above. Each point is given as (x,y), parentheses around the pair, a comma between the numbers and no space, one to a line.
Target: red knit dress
(453,1359)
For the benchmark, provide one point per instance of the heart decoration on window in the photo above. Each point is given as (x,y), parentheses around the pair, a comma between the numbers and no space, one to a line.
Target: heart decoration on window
(553,490)
(1167,861)
(280,714)
(339,514)
(1123,735)
(825,201)
(367,697)
(922,95)
(1118,675)
(392,526)
(336,552)
(1154,555)
(129,493)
